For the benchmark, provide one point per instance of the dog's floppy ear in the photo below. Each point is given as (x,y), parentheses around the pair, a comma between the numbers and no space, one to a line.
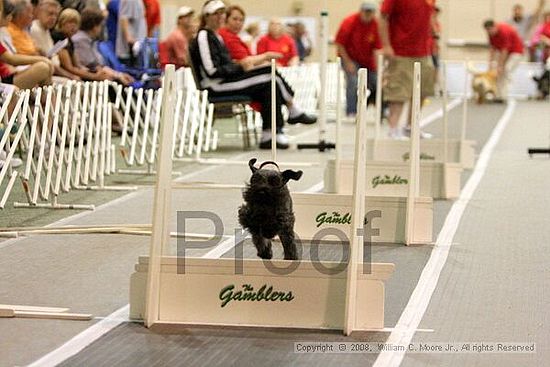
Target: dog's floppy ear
(251,165)
(291,175)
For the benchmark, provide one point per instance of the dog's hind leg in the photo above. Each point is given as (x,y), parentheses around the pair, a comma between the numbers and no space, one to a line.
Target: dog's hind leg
(289,245)
(263,245)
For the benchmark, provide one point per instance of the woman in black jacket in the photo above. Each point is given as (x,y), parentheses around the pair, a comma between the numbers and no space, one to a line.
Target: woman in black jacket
(221,76)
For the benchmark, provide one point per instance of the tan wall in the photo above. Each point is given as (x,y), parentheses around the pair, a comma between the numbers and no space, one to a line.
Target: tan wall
(461,19)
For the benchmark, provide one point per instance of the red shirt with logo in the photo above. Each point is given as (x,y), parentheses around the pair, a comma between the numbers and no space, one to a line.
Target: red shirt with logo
(409,26)
(235,45)
(506,38)
(284,45)
(360,40)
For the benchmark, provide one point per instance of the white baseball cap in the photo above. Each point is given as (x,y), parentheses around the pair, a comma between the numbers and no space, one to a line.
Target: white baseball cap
(213,6)
(185,11)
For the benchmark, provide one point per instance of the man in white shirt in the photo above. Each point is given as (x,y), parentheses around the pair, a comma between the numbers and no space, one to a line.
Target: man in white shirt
(47,12)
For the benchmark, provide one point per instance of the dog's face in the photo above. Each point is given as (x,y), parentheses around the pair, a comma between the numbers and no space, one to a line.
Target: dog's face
(269,180)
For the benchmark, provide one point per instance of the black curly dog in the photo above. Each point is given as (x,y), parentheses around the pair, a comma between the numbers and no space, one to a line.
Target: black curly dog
(267,211)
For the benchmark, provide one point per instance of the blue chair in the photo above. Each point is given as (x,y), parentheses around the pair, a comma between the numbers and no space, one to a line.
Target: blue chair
(143,76)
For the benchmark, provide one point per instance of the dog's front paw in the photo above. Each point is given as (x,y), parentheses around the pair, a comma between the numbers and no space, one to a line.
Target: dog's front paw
(266,254)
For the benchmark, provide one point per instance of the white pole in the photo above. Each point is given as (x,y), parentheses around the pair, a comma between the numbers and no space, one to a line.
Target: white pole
(209,120)
(102,134)
(379,76)
(445,112)
(32,138)
(273,112)
(161,209)
(53,139)
(109,122)
(137,119)
(177,119)
(127,110)
(82,131)
(338,158)
(322,118)
(64,127)
(145,136)
(44,132)
(98,129)
(414,177)
(202,122)
(90,128)
(186,114)
(156,128)
(72,139)
(194,121)
(358,209)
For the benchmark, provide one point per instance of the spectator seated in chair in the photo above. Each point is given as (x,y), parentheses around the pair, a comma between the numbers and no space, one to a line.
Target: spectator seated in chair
(240,53)
(174,49)
(85,47)
(38,70)
(47,12)
(222,77)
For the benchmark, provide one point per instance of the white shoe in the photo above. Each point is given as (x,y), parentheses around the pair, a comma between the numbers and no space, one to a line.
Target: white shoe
(282,139)
(15,162)
(397,134)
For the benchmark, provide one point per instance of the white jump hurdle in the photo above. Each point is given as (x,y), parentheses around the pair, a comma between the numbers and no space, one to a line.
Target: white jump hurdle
(439,180)
(212,292)
(386,213)
(448,150)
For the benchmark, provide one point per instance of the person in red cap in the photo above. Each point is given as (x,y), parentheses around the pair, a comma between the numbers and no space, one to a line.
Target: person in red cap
(405,30)
(356,41)
(506,50)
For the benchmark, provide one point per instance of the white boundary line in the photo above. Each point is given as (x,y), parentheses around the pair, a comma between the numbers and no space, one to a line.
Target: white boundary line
(83,339)
(439,113)
(418,303)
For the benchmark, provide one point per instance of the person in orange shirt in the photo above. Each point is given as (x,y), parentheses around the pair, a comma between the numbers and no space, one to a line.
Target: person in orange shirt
(22,17)
(277,40)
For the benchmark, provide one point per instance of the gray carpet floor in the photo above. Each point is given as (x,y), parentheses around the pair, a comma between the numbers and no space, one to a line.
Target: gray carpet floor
(491,288)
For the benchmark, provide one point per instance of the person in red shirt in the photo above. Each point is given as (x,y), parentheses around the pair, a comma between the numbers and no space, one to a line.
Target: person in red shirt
(152,16)
(277,40)
(544,37)
(405,30)
(173,49)
(506,50)
(356,42)
(238,49)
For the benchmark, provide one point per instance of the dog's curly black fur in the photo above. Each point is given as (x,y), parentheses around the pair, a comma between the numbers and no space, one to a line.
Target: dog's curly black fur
(267,211)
